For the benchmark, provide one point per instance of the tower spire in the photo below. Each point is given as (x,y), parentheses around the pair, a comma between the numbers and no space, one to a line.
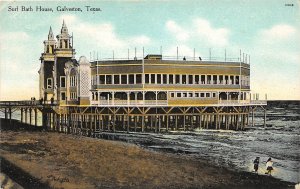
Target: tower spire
(64,24)
(64,28)
(50,35)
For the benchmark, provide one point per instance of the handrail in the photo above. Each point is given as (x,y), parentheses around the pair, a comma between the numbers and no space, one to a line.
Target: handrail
(27,103)
(129,102)
(175,58)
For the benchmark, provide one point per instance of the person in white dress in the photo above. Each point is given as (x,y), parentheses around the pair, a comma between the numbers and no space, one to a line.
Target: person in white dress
(269,166)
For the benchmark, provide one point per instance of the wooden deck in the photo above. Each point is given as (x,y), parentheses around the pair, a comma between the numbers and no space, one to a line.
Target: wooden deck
(90,120)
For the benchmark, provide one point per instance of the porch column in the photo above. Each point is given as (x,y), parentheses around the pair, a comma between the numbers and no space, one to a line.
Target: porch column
(128,97)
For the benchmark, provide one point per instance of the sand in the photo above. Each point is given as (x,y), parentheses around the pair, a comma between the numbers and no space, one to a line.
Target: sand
(37,159)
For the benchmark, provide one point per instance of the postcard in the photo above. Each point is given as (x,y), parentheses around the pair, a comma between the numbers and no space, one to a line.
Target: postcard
(149,94)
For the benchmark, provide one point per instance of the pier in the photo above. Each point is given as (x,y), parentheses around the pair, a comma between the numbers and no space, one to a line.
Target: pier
(92,120)
(28,110)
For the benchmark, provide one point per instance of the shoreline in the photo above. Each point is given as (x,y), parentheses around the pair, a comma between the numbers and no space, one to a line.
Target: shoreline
(57,160)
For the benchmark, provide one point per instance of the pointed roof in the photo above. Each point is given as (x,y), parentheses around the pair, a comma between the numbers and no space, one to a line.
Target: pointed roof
(64,29)
(50,35)
(64,24)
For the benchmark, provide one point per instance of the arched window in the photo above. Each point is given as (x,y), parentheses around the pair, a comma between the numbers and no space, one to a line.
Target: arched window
(162,96)
(150,96)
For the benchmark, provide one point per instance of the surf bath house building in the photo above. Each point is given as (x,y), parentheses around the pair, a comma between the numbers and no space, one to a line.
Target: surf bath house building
(148,94)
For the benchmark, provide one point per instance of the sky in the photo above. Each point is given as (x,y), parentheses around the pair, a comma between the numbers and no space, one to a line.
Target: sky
(266,30)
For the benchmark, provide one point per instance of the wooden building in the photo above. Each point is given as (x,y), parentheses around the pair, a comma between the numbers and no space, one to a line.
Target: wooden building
(151,94)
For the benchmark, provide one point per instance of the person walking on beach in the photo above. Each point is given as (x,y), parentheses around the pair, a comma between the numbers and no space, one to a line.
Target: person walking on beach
(269,166)
(256,163)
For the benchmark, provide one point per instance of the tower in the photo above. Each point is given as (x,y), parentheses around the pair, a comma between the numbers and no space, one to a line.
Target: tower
(63,53)
(47,66)
(53,81)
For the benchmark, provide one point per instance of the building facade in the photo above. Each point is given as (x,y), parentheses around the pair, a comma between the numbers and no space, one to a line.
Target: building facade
(61,75)
(148,94)
(154,81)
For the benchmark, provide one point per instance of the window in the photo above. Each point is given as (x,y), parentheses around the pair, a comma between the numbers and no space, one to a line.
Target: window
(214,95)
(172,95)
(196,94)
(202,79)
(226,79)
(116,79)
(221,79)
(131,79)
(158,78)
(202,95)
(62,81)
(215,79)
(138,78)
(123,79)
(190,94)
(73,95)
(209,79)
(231,80)
(171,79)
(184,94)
(177,79)
(196,79)
(108,79)
(153,78)
(73,81)
(63,95)
(184,79)
(164,78)
(147,79)
(190,79)
(49,83)
(207,95)
(237,80)
(179,95)
(102,79)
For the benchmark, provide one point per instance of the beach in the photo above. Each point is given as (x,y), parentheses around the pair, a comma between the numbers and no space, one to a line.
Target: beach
(39,159)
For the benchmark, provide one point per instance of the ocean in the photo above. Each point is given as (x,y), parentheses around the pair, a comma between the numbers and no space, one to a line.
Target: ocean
(236,150)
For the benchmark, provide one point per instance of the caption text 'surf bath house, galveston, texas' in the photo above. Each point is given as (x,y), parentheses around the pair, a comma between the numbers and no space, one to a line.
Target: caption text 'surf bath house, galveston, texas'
(150,93)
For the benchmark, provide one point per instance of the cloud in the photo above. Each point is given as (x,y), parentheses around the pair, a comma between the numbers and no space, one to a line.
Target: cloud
(280,43)
(141,40)
(179,33)
(102,37)
(278,32)
(217,37)
(200,31)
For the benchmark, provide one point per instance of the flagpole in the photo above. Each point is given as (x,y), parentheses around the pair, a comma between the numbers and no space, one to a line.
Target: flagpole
(143,67)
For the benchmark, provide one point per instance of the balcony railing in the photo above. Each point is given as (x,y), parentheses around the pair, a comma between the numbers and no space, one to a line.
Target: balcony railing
(242,102)
(129,102)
